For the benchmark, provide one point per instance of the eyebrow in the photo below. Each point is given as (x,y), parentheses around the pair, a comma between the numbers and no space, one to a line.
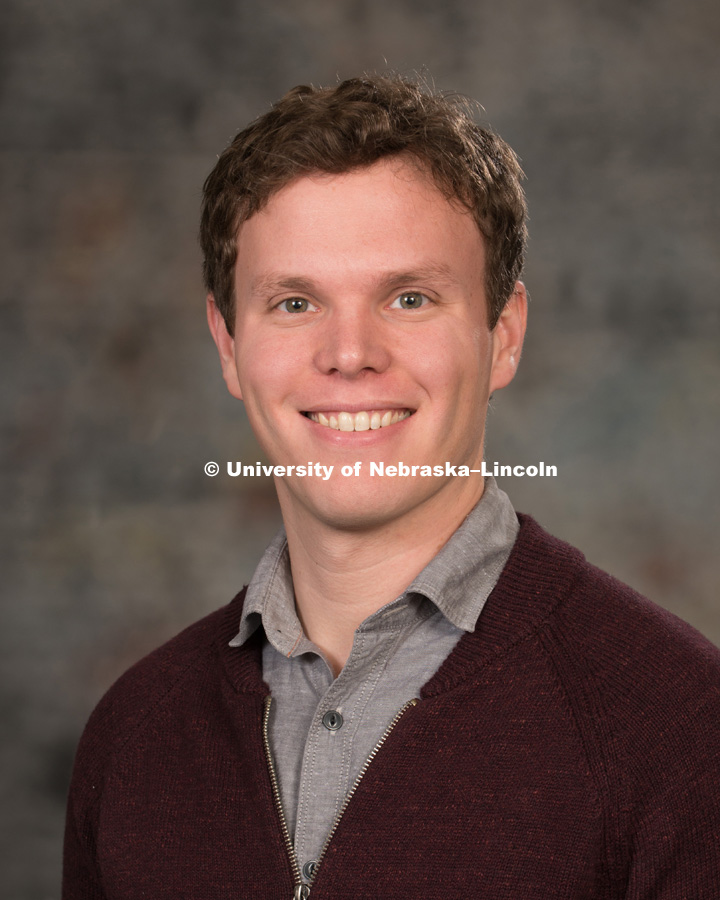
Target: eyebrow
(438,273)
(270,284)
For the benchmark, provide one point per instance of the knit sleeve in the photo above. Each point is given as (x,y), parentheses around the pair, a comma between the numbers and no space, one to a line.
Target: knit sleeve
(80,877)
(119,716)
(676,844)
(645,691)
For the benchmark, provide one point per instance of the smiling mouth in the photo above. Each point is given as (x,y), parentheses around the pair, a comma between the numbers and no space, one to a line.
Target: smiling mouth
(369,420)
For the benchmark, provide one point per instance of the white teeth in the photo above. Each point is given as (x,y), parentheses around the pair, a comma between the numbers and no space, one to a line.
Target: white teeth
(361,421)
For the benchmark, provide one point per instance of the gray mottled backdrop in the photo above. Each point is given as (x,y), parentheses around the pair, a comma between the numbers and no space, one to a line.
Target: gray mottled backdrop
(111,114)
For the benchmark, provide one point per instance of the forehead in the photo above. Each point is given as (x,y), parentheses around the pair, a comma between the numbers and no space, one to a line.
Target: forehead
(386,217)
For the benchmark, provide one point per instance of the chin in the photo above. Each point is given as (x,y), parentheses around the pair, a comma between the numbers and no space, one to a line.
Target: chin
(364,507)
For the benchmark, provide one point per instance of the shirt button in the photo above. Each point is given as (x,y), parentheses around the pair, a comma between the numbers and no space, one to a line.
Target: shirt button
(332,720)
(309,869)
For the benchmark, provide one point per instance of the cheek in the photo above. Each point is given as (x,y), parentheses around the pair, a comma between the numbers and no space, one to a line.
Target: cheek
(268,368)
(455,366)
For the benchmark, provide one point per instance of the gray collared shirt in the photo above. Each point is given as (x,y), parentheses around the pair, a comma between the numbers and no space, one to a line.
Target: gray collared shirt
(322,730)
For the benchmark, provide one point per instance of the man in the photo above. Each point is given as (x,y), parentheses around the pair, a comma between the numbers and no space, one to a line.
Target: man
(420,693)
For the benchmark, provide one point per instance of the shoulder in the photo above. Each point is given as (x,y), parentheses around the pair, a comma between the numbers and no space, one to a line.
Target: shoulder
(184,667)
(618,638)
(601,636)
(602,616)
(644,686)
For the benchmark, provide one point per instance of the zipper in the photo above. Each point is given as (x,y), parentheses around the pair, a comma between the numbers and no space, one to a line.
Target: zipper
(301,891)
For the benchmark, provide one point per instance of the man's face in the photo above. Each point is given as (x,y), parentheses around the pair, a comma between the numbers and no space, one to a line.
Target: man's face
(361,335)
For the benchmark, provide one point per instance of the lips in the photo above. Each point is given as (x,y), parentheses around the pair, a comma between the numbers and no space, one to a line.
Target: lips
(363,420)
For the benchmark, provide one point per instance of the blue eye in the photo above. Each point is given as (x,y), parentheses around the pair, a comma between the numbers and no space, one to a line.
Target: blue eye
(295,305)
(410,300)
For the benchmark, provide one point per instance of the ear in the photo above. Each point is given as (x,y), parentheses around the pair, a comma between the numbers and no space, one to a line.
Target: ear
(508,336)
(226,347)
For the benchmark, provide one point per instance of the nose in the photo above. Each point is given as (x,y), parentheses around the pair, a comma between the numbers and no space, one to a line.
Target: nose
(353,341)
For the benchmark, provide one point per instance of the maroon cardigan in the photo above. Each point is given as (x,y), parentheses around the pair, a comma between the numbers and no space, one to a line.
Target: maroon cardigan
(568,748)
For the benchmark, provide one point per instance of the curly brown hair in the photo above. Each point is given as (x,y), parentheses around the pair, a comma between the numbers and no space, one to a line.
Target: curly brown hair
(362,120)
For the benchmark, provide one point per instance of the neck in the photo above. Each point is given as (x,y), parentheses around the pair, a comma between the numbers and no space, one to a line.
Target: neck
(342,576)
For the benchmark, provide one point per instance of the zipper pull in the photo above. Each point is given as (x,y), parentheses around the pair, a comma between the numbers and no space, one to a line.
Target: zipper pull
(301,892)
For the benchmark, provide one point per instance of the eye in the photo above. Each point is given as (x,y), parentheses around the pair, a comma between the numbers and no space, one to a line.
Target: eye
(410,300)
(294,305)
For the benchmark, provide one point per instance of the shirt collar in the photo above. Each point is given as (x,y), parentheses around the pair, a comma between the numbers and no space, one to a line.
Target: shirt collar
(458,580)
